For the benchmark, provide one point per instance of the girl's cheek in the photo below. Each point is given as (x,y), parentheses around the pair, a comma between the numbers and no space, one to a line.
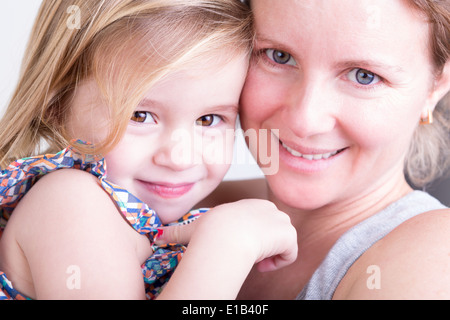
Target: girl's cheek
(218,148)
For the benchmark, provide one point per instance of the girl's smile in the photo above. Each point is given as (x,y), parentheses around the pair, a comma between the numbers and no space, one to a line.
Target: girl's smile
(168,190)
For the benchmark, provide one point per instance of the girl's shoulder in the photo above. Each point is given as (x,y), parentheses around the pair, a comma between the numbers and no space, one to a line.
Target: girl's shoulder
(62,190)
(67,219)
(411,262)
(67,198)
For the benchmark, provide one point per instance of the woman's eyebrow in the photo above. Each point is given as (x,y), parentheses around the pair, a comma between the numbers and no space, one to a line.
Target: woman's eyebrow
(261,41)
(362,63)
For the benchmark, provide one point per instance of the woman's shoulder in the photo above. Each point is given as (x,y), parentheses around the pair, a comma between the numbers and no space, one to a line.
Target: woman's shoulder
(235,190)
(411,262)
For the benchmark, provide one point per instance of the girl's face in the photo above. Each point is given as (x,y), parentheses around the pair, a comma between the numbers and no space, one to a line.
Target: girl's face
(345,83)
(179,141)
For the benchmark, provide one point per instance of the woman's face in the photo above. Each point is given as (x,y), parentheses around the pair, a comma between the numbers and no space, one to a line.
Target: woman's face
(345,83)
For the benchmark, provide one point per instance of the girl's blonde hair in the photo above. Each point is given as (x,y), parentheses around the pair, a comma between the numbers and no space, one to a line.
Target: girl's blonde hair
(126,46)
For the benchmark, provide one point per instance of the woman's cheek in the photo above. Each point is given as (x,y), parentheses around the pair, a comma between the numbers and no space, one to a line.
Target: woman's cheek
(261,97)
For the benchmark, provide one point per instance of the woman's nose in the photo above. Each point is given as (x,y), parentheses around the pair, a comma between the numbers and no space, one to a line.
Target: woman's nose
(311,109)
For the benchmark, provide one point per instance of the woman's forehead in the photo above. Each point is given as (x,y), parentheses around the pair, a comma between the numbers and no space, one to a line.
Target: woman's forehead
(308,16)
(358,29)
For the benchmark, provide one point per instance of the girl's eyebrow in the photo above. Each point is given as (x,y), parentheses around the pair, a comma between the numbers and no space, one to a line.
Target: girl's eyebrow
(148,103)
(223,108)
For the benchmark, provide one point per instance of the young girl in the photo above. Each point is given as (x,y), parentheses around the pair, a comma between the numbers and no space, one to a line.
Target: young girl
(113,84)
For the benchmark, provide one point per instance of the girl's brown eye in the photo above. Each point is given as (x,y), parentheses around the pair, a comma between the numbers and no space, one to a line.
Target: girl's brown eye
(207,120)
(142,117)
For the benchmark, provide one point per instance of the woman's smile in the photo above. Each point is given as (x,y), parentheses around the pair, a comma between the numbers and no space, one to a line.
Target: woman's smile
(314,156)
(307,160)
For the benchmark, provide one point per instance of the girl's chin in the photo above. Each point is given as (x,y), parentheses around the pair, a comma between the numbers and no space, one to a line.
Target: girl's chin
(169,213)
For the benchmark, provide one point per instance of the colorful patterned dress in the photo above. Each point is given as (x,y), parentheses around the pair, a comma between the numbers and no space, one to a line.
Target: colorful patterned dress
(22,174)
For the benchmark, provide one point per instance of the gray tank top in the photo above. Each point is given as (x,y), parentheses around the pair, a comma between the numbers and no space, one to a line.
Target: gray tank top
(360,238)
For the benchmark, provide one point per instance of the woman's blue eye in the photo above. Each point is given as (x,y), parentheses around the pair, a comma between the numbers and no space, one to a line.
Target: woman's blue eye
(280,57)
(208,120)
(144,117)
(363,77)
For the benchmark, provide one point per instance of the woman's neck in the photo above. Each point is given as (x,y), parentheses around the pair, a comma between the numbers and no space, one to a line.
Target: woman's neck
(323,226)
(317,231)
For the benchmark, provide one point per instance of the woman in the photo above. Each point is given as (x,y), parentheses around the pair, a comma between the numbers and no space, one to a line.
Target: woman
(352,88)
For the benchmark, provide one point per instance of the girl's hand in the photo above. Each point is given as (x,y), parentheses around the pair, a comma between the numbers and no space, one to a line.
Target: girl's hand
(256,223)
(224,245)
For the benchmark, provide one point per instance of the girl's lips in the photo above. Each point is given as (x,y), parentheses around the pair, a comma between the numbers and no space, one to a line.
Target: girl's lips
(167,190)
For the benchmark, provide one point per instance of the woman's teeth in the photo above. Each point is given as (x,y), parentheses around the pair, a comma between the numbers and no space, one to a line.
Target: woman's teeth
(309,156)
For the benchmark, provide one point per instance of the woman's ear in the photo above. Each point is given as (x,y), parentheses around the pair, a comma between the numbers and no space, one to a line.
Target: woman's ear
(440,88)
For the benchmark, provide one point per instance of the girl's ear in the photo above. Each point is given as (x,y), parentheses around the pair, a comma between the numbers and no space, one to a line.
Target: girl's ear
(440,89)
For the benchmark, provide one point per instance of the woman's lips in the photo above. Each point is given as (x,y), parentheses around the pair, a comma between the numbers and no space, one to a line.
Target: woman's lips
(311,156)
(168,190)
(308,161)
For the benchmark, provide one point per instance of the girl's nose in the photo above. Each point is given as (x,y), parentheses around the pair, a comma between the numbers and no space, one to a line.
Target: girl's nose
(177,152)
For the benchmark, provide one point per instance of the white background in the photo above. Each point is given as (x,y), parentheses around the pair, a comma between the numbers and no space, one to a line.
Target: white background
(16,21)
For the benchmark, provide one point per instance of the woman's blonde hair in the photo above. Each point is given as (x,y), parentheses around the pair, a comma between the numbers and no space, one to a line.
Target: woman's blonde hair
(126,46)
(429,154)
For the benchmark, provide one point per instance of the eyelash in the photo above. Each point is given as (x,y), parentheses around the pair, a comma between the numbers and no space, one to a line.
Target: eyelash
(261,55)
(368,87)
(138,113)
(216,117)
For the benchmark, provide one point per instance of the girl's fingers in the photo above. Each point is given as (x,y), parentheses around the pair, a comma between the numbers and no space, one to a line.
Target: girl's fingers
(175,234)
